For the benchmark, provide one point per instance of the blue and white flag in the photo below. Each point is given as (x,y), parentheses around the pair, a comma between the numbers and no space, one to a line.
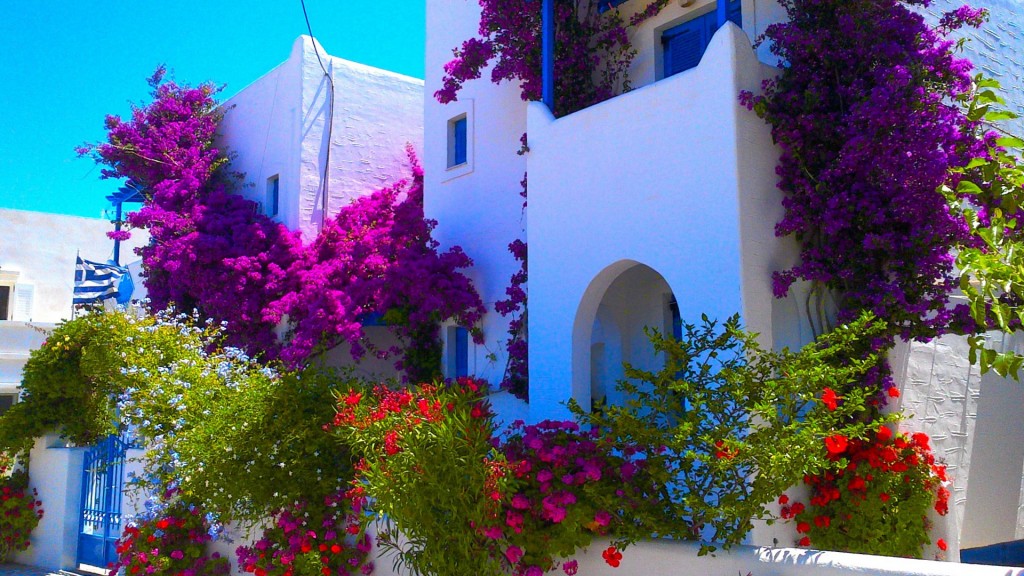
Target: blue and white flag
(95,282)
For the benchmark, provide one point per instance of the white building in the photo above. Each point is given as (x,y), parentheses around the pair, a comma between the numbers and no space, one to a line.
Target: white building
(316,110)
(658,202)
(666,195)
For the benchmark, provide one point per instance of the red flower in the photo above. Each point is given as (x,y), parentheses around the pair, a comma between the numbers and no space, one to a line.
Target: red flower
(920,439)
(612,556)
(784,499)
(836,444)
(942,545)
(802,527)
(883,434)
(856,483)
(884,497)
(893,392)
(805,541)
(830,399)
(724,452)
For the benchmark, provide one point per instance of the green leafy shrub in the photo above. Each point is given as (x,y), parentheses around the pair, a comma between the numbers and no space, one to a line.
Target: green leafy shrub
(726,426)
(876,499)
(429,467)
(20,510)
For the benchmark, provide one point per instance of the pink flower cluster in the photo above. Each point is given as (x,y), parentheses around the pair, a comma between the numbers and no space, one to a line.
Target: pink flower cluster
(567,480)
(329,536)
(172,543)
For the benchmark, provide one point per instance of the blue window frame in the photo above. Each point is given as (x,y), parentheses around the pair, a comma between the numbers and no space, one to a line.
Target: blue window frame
(684,45)
(458,141)
(273,195)
(458,352)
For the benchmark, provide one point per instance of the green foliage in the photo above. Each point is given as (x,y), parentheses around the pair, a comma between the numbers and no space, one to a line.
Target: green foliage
(68,385)
(877,499)
(234,435)
(20,512)
(727,426)
(244,439)
(428,467)
(992,270)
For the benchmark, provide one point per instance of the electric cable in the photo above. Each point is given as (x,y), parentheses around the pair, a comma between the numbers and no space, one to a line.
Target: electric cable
(330,119)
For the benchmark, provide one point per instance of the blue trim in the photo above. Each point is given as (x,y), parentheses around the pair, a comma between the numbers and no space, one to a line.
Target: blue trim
(100,517)
(460,142)
(461,352)
(1002,554)
(275,196)
(685,44)
(373,319)
(548,53)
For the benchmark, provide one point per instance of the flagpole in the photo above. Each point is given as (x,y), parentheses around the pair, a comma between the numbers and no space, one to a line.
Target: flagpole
(78,256)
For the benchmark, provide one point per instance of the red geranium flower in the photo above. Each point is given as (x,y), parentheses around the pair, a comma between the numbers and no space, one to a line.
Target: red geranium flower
(830,399)
(836,444)
(612,556)
(942,544)
(893,392)
(883,434)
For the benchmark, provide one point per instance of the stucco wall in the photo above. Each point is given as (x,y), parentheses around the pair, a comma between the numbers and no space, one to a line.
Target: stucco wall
(41,247)
(281,125)
(477,205)
(668,196)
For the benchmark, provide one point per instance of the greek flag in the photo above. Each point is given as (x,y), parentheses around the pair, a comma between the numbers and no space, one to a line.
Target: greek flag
(95,282)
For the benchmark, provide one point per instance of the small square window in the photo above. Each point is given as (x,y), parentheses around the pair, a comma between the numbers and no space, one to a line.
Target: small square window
(273,195)
(6,401)
(458,141)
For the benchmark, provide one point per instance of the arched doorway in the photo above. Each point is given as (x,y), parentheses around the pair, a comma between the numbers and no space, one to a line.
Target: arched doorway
(621,301)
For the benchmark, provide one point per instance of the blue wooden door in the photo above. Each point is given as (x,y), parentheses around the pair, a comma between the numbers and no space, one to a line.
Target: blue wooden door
(102,483)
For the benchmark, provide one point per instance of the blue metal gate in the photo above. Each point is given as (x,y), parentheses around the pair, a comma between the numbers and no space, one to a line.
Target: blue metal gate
(102,482)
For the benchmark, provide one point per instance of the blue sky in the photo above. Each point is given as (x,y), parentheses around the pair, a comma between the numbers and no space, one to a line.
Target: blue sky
(66,64)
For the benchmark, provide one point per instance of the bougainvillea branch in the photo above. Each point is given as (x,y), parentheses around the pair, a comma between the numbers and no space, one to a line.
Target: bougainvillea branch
(214,251)
(592,55)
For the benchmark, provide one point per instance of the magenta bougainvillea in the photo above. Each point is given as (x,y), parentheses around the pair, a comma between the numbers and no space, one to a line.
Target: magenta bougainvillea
(378,256)
(211,249)
(592,51)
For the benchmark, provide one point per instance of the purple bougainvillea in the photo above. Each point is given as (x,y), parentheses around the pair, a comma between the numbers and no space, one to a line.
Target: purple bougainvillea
(866,114)
(212,250)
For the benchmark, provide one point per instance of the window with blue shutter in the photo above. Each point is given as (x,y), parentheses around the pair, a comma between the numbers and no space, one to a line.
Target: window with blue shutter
(684,45)
(461,352)
(457,141)
(458,352)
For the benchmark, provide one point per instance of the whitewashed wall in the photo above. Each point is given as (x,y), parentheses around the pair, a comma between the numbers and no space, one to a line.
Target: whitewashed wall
(673,558)
(280,125)
(41,247)
(650,177)
(477,205)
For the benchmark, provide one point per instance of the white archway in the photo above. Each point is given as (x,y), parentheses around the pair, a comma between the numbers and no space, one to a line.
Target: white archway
(608,330)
